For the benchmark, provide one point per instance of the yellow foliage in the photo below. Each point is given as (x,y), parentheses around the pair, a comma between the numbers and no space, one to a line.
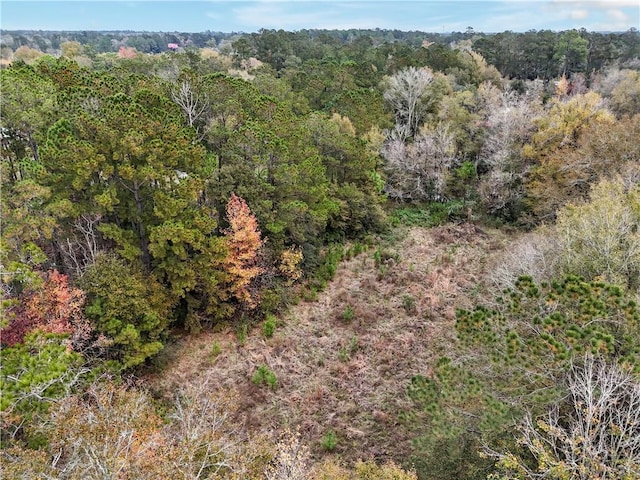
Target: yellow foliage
(374,139)
(601,238)
(562,87)
(208,53)
(331,470)
(71,49)
(244,243)
(290,260)
(27,54)
(565,121)
(558,175)
(344,124)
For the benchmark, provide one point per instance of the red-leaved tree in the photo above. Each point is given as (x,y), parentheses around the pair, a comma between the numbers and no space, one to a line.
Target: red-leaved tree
(54,307)
(127,52)
(243,243)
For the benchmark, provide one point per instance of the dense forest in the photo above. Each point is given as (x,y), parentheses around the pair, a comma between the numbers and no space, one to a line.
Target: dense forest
(175,198)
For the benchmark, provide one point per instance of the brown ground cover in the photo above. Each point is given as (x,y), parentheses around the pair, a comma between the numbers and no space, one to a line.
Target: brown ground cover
(343,362)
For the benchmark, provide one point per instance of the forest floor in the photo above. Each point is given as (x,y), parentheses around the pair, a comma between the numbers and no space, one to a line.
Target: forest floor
(343,362)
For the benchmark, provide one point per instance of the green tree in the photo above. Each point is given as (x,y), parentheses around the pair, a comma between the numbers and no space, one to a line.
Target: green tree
(512,359)
(558,133)
(570,52)
(599,239)
(33,375)
(591,434)
(364,107)
(123,161)
(131,309)
(128,159)
(27,107)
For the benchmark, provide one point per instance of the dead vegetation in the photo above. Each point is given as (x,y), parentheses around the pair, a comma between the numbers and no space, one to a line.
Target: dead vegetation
(343,361)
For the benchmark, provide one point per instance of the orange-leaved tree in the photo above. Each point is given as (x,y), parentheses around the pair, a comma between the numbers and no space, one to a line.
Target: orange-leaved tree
(54,307)
(244,242)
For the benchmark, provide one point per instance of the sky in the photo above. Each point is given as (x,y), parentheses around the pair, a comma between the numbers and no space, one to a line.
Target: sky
(292,15)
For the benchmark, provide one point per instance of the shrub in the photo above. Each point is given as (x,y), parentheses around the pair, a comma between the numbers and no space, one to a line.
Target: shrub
(600,238)
(242,332)
(409,304)
(535,255)
(264,375)
(269,326)
(129,307)
(327,267)
(291,459)
(348,313)
(368,470)
(329,441)
(216,350)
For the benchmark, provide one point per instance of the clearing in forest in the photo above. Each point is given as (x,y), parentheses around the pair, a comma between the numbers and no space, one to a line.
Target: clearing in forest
(343,362)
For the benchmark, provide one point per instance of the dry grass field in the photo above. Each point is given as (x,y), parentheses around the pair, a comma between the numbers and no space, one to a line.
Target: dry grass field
(343,362)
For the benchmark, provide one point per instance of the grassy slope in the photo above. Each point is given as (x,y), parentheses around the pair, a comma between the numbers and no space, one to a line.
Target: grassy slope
(349,376)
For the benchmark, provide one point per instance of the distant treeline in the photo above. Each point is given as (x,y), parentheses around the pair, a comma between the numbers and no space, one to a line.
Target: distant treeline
(534,54)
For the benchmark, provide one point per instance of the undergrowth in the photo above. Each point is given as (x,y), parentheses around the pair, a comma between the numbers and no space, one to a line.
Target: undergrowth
(428,215)
(344,360)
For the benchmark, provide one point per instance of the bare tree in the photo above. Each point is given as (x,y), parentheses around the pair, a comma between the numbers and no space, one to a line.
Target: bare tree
(200,434)
(194,106)
(419,170)
(207,439)
(595,434)
(535,254)
(80,249)
(509,122)
(405,92)
(291,461)
(113,432)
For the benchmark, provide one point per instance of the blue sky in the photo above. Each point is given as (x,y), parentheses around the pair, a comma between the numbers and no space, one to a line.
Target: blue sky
(250,16)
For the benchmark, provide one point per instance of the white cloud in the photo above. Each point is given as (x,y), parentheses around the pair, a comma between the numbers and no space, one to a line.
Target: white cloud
(612,15)
(601,4)
(618,15)
(270,14)
(329,15)
(579,14)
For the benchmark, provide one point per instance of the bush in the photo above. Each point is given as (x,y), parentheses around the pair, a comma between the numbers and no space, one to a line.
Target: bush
(329,441)
(37,371)
(129,307)
(409,304)
(348,313)
(428,215)
(600,239)
(330,470)
(329,260)
(264,375)
(242,331)
(216,350)
(535,254)
(269,326)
